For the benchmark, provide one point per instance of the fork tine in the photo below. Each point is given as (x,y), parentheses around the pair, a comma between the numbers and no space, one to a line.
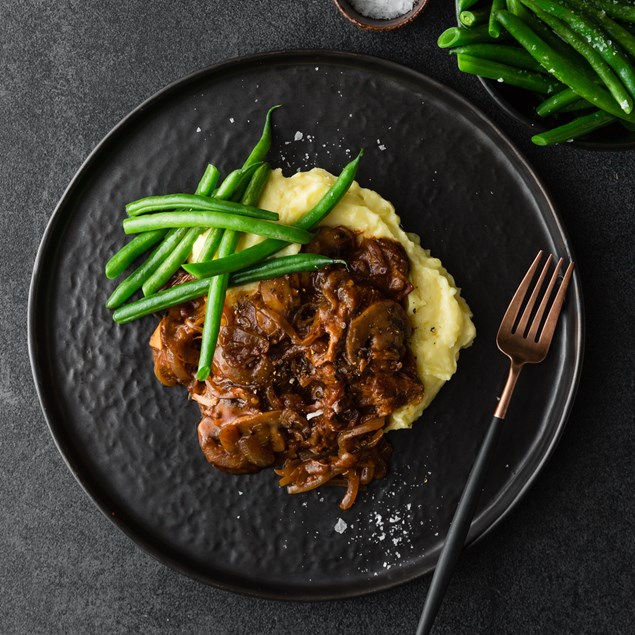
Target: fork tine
(514,306)
(535,325)
(524,320)
(554,313)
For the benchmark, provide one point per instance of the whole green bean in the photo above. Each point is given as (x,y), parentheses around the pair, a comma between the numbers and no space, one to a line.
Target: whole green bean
(218,284)
(276,267)
(474,17)
(256,156)
(595,59)
(559,101)
(198,288)
(136,279)
(456,36)
(621,11)
(131,251)
(216,219)
(211,326)
(259,153)
(587,29)
(493,27)
(195,202)
(508,74)
(621,35)
(576,128)
(563,69)
(266,248)
(509,55)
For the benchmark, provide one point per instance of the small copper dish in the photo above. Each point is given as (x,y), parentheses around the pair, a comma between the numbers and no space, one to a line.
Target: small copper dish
(347,9)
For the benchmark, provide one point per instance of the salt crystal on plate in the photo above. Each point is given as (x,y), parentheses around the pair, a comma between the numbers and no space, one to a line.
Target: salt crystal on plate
(298,136)
(340,526)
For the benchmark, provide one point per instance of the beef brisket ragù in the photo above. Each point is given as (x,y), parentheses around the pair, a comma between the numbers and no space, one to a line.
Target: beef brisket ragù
(307,370)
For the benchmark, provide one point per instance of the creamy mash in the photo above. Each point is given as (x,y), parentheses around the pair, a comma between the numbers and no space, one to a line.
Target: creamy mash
(440,317)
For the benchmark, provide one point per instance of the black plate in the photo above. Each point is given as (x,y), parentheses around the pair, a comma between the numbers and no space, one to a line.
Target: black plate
(455,179)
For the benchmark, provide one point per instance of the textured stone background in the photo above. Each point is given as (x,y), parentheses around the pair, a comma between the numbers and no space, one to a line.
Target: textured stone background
(563,562)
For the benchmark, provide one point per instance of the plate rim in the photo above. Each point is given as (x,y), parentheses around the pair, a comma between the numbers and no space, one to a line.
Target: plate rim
(224,581)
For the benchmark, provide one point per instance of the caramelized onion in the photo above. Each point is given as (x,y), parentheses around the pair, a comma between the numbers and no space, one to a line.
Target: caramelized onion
(306,368)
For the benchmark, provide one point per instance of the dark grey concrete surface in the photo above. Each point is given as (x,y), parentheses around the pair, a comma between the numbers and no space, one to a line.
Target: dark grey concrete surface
(563,562)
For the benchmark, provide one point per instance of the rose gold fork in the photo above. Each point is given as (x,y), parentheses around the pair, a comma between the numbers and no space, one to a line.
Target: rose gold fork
(525,338)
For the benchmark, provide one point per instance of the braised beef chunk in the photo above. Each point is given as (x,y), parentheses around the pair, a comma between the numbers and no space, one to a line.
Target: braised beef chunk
(306,370)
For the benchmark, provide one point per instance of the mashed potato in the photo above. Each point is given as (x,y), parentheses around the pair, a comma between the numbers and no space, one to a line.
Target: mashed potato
(440,318)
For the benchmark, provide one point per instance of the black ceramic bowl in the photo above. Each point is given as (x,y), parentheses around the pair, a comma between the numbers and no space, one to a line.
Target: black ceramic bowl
(520,104)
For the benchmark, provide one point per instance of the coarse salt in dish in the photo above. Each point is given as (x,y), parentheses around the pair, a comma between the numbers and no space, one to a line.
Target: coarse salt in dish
(383,9)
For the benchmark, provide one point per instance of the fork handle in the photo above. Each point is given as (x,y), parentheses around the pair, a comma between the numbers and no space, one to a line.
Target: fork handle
(459,528)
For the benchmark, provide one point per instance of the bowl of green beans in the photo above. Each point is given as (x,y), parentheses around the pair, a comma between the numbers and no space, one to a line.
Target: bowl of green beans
(564,68)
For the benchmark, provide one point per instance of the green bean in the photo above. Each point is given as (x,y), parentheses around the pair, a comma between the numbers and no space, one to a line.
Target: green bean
(607,50)
(493,27)
(131,251)
(559,101)
(256,156)
(195,202)
(136,279)
(463,5)
(216,219)
(621,35)
(232,182)
(266,248)
(616,10)
(211,326)
(550,38)
(474,17)
(563,69)
(509,55)
(259,153)
(585,49)
(508,74)
(576,128)
(198,288)
(208,181)
(456,36)
(276,267)
(218,284)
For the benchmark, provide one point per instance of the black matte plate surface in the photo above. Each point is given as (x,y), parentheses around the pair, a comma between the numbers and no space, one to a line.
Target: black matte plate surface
(455,180)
